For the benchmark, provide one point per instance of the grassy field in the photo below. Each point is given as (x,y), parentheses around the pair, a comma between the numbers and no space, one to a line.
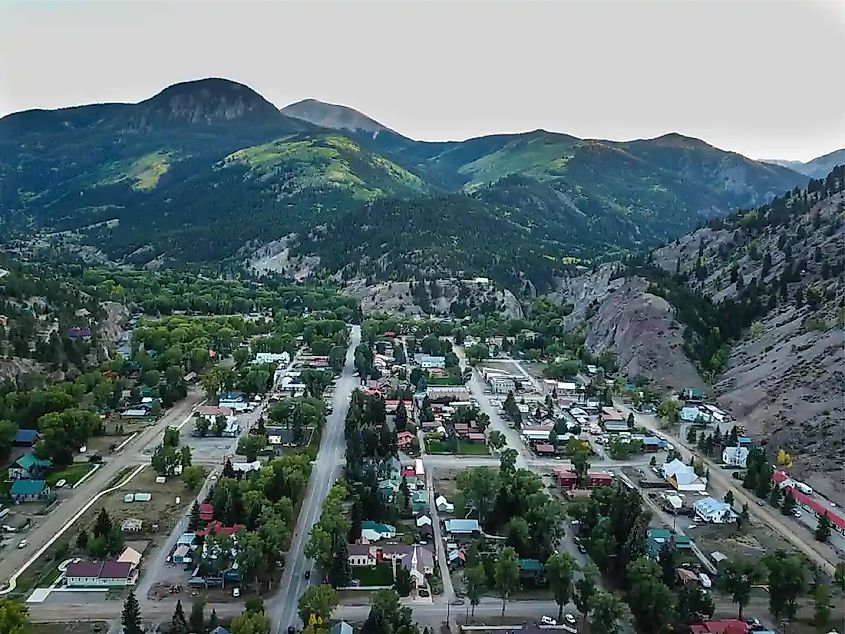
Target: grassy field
(378,575)
(72,474)
(466,448)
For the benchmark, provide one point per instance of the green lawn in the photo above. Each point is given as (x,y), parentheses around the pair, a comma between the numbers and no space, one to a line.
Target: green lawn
(466,448)
(72,474)
(437,446)
(378,575)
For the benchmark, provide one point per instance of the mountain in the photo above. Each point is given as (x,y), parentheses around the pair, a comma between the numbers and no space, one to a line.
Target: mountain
(818,167)
(333,116)
(751,305)
(209,170)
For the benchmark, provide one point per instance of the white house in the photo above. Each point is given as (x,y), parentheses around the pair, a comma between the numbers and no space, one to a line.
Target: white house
(427,361)
(444,505)
(360,555)
(537,432)
(692,413)
(735,456)
(683,477)
(713,511)
(282,358)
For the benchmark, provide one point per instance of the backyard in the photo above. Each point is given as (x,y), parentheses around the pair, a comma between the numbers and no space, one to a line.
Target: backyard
(379,575)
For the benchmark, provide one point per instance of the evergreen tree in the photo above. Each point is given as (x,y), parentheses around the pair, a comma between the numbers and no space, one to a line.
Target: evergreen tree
(823,528)
(197,620)
(194,519)
(178,624)
(340,573)
(103,524)
(82,540)
(788,504)
(131,616)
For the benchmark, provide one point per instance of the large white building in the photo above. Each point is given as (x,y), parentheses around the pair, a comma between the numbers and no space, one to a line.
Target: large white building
(713,511)
(683,477)
(735,456)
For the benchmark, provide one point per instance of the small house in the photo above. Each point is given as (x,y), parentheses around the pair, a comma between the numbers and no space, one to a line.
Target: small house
(530,568)
(25,437)
(419,502)
(131,557)
(735,457)
(443,505)
(693,395)
(405,439)
(206,512)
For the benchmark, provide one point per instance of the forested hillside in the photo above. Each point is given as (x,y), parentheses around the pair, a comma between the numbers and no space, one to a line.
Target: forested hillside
(209,170)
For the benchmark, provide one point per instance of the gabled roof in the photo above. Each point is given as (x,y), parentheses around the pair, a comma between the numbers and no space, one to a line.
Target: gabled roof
(463,526)
(377,527)
(341,628)
(26,435)
(28,460)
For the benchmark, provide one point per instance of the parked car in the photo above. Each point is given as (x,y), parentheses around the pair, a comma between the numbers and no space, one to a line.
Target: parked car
(23,543)
(236,592)
(582,549)
(547,620)
(569,618)
(61,483)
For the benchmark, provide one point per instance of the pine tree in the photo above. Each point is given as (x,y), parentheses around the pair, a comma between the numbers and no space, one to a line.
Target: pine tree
(82,540)
(194,519)
(178,624)
(103,524)
(788,504)
(823,528)
(340,573)
(131,617)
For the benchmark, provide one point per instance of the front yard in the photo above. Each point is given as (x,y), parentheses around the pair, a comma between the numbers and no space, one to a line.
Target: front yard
(466,448)
(72,474)
(378,575)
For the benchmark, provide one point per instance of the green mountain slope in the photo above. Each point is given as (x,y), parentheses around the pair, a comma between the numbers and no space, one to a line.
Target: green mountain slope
(209,170)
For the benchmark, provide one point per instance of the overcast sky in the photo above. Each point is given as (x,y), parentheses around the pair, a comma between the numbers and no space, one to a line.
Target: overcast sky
(762,78)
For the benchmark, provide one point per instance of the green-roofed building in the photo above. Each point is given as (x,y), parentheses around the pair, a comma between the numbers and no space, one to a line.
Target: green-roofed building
(29,467)
(29,490)
(530,568)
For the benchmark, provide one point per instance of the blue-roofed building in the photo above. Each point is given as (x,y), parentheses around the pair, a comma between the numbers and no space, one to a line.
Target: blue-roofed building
(743,441)
(26,437)
(653,443)
(29,490)
(29,467)
(462,527)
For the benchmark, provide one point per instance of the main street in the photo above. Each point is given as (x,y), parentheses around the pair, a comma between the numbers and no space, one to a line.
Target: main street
(14,559)
(282,606)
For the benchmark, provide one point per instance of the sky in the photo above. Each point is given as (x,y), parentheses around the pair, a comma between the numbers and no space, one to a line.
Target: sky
(766,79)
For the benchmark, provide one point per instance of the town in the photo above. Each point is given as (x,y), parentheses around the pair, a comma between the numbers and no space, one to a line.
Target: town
(304,473)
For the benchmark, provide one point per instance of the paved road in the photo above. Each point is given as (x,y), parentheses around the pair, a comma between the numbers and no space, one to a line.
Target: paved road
(720,482)
(476,388)
(50,524)
(282,607)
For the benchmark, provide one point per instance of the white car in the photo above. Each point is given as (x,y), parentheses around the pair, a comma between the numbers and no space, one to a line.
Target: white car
(569,618)
(236,592)
(547,620)
(23,543)
(61,483)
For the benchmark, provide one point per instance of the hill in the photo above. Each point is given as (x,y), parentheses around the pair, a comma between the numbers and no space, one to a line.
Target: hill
(750,304)
(209,170)
(818,167)
(333,116)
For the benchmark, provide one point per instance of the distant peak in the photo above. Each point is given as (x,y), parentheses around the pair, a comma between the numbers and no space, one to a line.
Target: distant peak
(206,101)
(680,140)
(333,116)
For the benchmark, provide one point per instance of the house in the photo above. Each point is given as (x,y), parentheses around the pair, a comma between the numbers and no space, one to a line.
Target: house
(544,449)
(462,527)
(190,377)
(233,400)
(530,568)
(280,436)
(443,505)
(683,477)
(427,361)
(219,630)
(374,531)
(211,412)
(206,512)
(360,555)
(686,577)
(187,539)
(693,413)
(130,556)
(423,520)
(132,525)
(29,490)
(246,467)
(405,439)
(692,395)
(135,412)
(183,554)
(656,538)
(456,558)
(721,626)
(615,426)
(26,437)
(713,511)
(99,574)
(282,358)
(217,528)
(735,457)
(29,467)
(419,502)
(340,628)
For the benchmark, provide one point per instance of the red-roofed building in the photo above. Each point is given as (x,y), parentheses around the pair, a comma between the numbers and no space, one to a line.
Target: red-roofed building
(390,334)
(404,439)
(390,405)
(566,479)
(544,449)
(721,626)
(815,507)
(476,436)
(216,528)
(206,512)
